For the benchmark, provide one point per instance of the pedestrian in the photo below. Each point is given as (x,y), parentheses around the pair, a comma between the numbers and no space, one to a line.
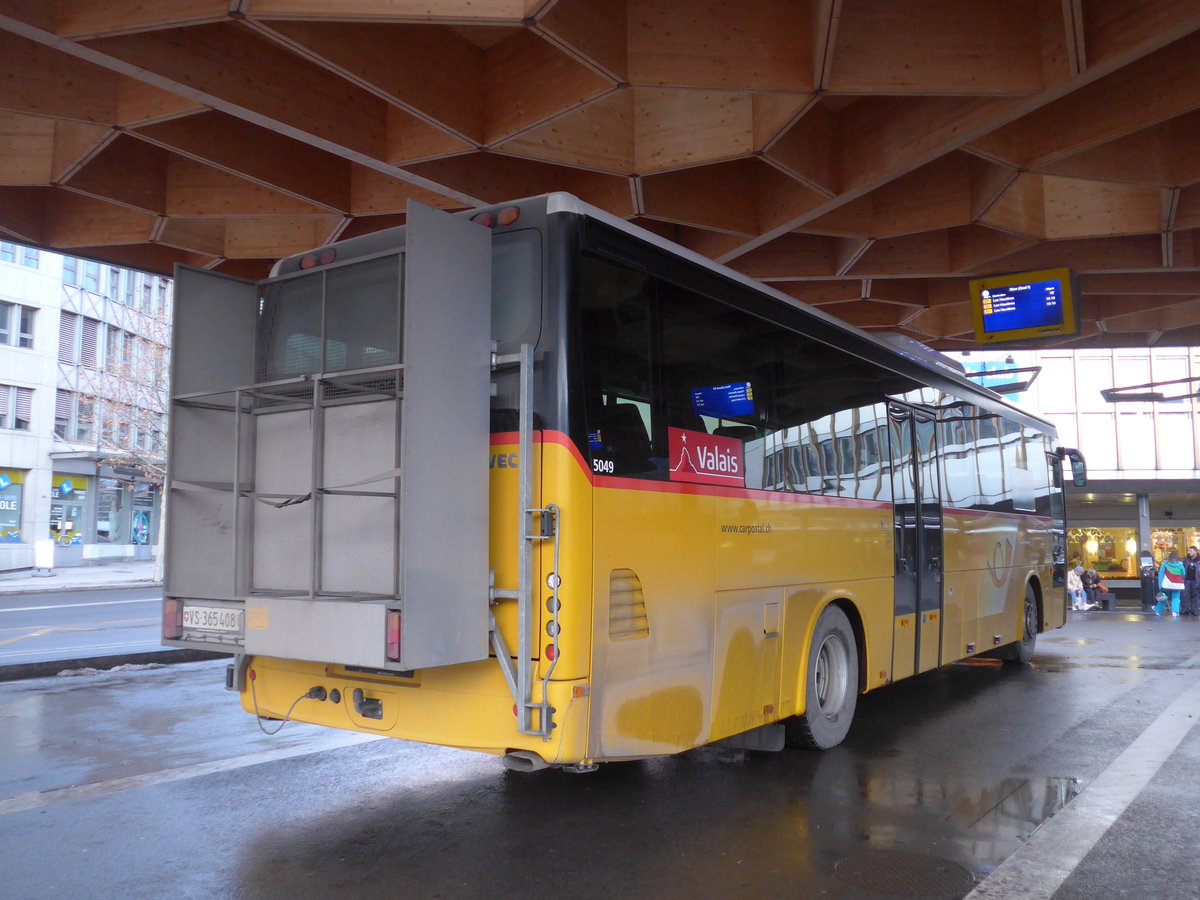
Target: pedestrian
(1091,588)
(1075,588)
(1191,583)
(1170,582)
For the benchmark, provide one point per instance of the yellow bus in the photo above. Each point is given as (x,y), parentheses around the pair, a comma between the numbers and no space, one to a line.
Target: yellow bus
(533,481)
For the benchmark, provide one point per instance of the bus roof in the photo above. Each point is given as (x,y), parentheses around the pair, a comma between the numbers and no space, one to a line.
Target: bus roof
(898,352)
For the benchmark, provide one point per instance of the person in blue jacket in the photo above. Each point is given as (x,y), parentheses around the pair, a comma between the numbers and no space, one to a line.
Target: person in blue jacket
(1171,583)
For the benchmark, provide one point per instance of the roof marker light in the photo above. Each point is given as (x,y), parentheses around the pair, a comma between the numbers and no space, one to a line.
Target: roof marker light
(508,215)
(308,260)
(487,220)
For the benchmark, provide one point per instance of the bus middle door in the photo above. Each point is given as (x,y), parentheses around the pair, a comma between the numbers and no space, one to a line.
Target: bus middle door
(917,642)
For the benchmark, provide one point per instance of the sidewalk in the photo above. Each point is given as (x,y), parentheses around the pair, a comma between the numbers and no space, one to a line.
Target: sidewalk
(80,578)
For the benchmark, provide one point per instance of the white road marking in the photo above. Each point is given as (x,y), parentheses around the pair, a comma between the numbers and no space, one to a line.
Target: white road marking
(1048,858)
(38,799)
(78,605)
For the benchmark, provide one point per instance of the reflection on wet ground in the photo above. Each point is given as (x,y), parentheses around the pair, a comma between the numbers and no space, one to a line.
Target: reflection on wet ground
(942,777)
(709,823)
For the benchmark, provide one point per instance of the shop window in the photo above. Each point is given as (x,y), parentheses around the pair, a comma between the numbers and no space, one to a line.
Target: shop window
(108,512)
(12,485)
(1112,552)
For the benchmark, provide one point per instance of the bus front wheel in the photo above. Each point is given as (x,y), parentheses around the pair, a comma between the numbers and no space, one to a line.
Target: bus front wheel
(831,685)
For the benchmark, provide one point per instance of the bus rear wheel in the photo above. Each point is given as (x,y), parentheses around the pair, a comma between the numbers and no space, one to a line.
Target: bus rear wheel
(831,685)
(1021,652)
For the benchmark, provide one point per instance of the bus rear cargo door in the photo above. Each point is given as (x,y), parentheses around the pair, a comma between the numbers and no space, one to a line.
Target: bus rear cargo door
(917,645)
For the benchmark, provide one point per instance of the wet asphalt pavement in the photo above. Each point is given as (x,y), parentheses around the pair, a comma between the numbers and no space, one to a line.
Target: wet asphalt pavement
(152,782)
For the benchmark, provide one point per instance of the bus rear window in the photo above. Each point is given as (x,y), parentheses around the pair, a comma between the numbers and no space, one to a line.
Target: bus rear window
(334,320)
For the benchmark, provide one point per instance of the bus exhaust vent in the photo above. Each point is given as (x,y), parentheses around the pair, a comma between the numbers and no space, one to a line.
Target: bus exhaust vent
(626,606)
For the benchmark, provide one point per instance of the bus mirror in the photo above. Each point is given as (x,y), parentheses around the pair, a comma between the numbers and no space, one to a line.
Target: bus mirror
(1078,466)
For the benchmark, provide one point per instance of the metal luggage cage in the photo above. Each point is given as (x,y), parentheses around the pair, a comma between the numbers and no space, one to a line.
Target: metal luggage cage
(314,392)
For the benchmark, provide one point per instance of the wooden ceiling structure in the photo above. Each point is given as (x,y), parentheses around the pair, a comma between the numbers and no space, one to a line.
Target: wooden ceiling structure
(868,157)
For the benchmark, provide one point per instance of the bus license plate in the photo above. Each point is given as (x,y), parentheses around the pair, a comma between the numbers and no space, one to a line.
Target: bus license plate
(212,618)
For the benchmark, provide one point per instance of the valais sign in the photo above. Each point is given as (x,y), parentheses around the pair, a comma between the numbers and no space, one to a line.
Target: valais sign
(706,458)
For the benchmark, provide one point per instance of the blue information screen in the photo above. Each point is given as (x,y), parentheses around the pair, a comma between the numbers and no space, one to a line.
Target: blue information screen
(1034,305)
(724,400)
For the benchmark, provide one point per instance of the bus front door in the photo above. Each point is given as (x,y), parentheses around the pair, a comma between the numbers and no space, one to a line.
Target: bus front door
(917,626)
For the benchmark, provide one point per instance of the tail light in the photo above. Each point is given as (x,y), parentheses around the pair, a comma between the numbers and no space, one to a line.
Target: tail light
(172,618)
(393,636)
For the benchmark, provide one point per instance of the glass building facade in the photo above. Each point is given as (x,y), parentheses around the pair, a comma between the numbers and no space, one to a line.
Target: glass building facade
(1143,492)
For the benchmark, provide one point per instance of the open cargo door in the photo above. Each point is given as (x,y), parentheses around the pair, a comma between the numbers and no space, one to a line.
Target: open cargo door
(317,503)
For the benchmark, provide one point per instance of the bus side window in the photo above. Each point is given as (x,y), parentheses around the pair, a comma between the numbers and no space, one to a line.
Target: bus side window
(624,441)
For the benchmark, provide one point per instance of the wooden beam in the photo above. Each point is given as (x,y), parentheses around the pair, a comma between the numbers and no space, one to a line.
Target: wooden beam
(1131,253)
(937,47)
(882,136)
(721,197)
(275,236)
(917,254)
(431,71)
(1021,209)
(594,32)
(75,143)
(791,256)
(205,236)
(195,189)
(1117,28)
(782,198)
(808,150)
(496,178)
(1139,95)
(865,314)
(988,182)
(775,112)
(258,154)
(749,45)
(361,225)
(41,81)
(527,80)
(139,103)
(676,128)
(597,135)
(127,171)
(412,139)
(820,293)
(974,248)
(1184,284)
(23,214)
(712,244)
(75,220)
(209,63)
(372,193)
(511,12)
(82,19)
(26,149)
(144,256)
(1081,208)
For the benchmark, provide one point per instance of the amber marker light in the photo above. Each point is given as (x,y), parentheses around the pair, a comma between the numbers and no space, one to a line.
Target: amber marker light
(508,215)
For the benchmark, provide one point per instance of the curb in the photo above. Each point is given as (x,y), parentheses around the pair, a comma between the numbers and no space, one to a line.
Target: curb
(62,588)
(51,667)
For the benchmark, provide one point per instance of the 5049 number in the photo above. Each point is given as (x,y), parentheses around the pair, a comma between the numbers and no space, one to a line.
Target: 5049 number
(603,466)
